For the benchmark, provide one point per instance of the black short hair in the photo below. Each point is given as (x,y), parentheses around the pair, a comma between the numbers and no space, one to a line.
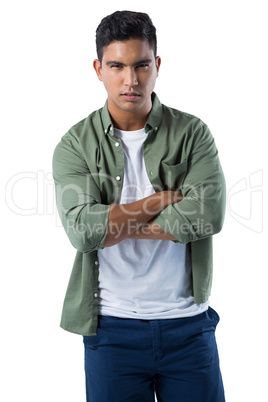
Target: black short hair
(122,26)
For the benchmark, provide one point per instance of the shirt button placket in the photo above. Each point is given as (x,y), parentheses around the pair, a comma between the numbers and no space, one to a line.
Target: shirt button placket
(117,145)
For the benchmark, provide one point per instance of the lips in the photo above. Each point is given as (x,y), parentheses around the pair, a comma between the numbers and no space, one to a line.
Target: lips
(131,96)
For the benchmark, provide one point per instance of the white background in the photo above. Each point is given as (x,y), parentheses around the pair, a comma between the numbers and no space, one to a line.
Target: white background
(214,65)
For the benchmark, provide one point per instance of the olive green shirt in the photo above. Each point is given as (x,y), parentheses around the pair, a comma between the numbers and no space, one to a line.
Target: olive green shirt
(88,170)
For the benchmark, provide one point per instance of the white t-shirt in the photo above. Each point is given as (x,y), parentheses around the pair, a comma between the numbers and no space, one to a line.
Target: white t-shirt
(144,279)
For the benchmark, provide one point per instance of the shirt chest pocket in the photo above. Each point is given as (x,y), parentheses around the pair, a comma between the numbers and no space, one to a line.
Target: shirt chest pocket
(173,176)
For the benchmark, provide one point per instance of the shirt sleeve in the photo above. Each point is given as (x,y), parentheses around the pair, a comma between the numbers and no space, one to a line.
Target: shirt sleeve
(78,198)
(201,212)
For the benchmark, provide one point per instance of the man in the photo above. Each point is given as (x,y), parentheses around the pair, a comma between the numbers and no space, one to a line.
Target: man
(141,192)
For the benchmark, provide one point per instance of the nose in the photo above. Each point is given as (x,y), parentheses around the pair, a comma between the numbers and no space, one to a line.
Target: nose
(131,79)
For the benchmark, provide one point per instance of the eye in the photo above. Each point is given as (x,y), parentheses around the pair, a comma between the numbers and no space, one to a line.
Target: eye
(143,65)
(116,66)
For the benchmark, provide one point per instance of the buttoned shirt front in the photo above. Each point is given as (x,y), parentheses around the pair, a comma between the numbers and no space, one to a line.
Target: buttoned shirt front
(88,170)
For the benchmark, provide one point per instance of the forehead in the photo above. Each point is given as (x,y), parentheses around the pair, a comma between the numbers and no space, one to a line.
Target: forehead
(132,49)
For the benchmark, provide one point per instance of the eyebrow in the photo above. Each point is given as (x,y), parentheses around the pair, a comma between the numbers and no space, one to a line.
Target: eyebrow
(108,63)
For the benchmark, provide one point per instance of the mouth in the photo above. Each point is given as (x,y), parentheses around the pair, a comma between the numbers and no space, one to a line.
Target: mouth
(130,96)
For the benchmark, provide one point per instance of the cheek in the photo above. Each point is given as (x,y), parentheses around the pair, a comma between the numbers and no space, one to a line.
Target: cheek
(111,80)
(150,82)
(111,87)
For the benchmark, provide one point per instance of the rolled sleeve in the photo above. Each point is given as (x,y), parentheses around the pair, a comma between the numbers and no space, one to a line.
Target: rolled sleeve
(201,212)
(78,198)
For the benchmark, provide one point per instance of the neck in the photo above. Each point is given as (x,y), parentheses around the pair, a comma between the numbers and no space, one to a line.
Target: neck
(128,124)
(128,121)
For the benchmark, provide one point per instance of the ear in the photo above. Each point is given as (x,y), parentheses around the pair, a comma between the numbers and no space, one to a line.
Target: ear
(97,68)
(158,63)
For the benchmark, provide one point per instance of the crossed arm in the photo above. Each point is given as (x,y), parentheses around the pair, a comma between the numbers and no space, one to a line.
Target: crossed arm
(151,231)
(140,214)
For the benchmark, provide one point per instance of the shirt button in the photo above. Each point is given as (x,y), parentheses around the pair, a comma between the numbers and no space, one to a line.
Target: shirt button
(156,128)
(96,263)
(151,173)
(117,144)
(118,178)
(95,294)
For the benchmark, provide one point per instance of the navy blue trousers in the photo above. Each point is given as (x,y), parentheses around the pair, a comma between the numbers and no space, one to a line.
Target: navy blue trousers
(133,360)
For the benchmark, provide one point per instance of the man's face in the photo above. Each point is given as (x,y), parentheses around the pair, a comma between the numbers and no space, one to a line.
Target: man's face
(128,70)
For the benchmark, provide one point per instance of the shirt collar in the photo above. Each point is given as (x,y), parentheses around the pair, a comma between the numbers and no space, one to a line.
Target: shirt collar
(155,116)
(106,118)
(153,121)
